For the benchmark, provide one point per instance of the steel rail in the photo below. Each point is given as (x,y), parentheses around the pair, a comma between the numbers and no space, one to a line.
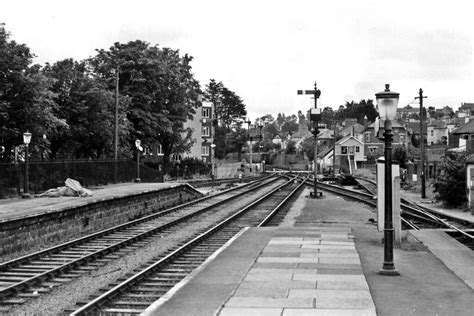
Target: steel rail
(19,286)
(98,302)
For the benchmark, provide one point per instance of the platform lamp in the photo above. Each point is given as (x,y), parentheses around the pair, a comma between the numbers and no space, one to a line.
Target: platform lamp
(26,141)
(213,175)
(139,148)
(387,102)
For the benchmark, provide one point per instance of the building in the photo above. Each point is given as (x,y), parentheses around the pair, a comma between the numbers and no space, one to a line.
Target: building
(349,153)
(202,126)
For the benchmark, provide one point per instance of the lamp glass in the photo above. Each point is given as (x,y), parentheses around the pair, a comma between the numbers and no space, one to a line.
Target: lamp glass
(387,108)
(26,138)
(387,102)
(213,145)
(137,143)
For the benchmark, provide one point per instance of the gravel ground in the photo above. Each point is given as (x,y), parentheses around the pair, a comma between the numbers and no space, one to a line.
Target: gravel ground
(65,296)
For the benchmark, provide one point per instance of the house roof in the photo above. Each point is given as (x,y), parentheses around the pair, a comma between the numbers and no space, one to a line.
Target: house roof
(436,124)
(325,151)
(326,133)
(467,128)
(356,127)
(346,138)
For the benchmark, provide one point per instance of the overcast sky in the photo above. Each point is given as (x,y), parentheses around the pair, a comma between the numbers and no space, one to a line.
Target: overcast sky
(266,50)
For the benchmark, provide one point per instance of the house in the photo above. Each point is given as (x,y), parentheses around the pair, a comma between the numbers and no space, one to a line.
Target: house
(349,153)
(437,133)
(408,112)
(466,109)
(373,146)
(202,126)
(465,135)
(300,135)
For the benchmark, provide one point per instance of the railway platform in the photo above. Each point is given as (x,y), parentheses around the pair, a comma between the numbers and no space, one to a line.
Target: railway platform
(14,208)
(324,260)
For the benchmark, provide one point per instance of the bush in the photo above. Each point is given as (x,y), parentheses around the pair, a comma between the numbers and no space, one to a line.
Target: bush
(450,186)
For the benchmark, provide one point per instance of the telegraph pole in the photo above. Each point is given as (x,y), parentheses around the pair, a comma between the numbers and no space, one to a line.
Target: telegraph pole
(314,116)
(422,146)
(116,122)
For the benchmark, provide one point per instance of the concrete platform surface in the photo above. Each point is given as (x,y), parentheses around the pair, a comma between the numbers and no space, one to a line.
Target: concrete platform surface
(17,207)
(323,260)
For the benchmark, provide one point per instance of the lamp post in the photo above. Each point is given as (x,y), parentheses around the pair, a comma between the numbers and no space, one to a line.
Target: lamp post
(250,144)
(26,190)
(137,145)
(213,146)
(387,102)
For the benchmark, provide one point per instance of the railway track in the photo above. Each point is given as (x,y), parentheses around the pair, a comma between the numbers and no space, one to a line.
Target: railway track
(32,275)
(138,291)
(413,216)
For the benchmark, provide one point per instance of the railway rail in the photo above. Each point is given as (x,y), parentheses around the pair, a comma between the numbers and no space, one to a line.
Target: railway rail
(138,291)
(31,275)
(412,216)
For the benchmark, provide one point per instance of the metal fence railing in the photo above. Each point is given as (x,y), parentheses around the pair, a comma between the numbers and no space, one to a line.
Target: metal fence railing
(44,175)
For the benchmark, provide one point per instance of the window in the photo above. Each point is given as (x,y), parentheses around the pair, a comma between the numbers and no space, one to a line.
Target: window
(205,131)
(367,137)
(432,133)
(159,150)
(357,149)
(344,150)
(205,150)
(206,112)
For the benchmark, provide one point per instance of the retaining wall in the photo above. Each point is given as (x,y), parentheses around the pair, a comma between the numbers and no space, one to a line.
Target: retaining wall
(45,230)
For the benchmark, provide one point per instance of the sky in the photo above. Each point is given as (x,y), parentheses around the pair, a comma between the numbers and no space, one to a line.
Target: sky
(265,51)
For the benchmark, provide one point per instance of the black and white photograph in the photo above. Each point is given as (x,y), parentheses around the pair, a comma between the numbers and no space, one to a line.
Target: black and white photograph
(237,158)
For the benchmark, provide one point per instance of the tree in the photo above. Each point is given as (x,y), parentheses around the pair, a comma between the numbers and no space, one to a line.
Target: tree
(228,106)
(26,100)
(308,147)
(450,185)
(357,110)
(291,147)
(87,106)
(162,88)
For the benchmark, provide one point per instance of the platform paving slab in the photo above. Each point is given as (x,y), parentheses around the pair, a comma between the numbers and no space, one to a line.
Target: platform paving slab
(425,285)
(205,293)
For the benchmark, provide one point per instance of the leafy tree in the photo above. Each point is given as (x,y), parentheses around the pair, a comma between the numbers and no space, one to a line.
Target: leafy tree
(357,110)
(228,105)
(87,106)
(449,187)
(162,88)
(291,147)
(308,147)
(26,101)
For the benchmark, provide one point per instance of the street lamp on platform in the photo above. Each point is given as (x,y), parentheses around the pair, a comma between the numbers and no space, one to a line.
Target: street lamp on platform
(139,149)
(26,190)
(387,102)
(213,174)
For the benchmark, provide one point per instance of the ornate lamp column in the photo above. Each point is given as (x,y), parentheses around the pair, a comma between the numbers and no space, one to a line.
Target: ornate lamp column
(387,102)
(137,145)
(26,187)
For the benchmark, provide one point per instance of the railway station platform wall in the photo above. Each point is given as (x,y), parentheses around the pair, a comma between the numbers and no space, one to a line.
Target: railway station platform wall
(36,232)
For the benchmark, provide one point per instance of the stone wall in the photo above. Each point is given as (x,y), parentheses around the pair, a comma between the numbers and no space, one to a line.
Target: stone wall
(45,230)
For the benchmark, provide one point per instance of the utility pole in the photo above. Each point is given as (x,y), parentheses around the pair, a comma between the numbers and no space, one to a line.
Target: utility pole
(334,150)
(315,116)
(422,146)
(116,123)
